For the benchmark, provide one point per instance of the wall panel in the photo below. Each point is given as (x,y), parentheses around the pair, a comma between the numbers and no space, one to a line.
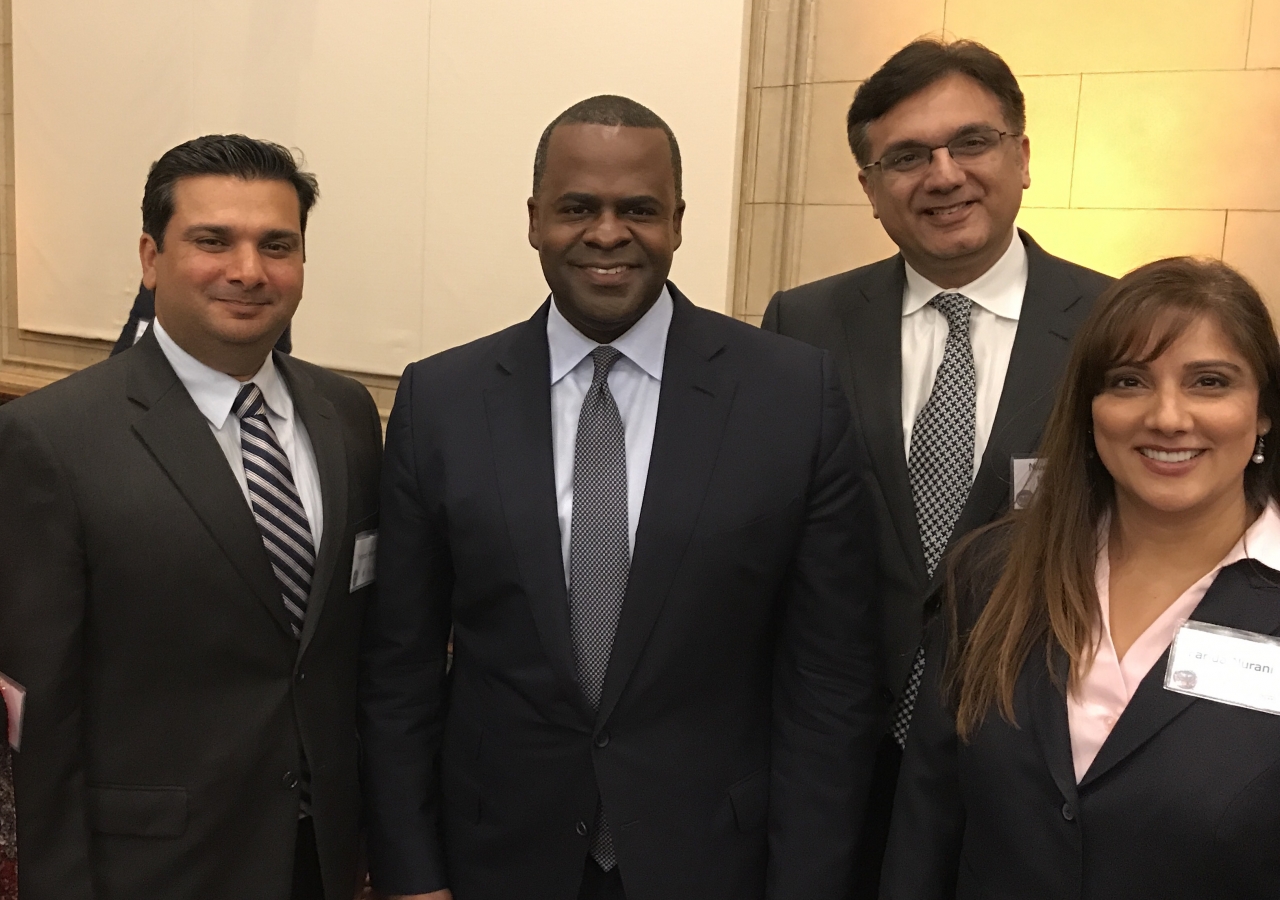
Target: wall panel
(1154,128)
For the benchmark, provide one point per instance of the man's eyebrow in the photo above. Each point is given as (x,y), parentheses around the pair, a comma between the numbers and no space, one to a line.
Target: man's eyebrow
(222,231)
(584,199)
(959,132)
(640,200)
(281,234)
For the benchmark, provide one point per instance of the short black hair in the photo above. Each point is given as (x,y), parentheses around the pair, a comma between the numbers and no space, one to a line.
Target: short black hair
(920,64)
(606,109)
(221,154)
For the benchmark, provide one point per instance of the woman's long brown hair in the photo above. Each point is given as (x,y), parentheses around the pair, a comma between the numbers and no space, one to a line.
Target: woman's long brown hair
(1045,597)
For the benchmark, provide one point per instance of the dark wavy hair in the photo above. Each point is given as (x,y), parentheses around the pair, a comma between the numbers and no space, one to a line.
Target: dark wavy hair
(920,64)
(221,154)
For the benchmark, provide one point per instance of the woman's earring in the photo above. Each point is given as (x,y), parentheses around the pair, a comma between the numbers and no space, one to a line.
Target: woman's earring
(1257,451)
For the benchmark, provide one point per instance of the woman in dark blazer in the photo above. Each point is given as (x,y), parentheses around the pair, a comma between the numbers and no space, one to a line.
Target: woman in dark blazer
(1047,758)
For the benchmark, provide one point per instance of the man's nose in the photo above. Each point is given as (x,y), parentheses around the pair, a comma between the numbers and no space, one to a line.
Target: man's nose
(607,232)
(944,173)
(245,266)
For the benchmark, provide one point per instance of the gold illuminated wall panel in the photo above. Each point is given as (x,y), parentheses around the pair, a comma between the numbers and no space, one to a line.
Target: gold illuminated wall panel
(1154,126)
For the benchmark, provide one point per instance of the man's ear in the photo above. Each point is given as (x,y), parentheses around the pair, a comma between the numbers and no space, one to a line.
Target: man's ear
(535,240)
(677,221)
(147,253)
(869,191)
(1026,161)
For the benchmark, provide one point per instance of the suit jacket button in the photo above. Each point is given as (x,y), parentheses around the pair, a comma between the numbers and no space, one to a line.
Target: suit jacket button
(602,739)
(289,781)
(1067,812)
(581,828)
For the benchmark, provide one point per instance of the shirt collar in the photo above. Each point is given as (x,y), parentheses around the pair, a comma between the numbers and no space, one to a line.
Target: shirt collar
(644,343)
(1261,541)
(214,392)
(998,290)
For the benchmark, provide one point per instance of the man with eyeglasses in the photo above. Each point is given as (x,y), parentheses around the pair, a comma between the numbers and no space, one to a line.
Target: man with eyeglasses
(951,350)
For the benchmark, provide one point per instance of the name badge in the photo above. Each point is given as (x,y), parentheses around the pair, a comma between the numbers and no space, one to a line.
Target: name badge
(15,697)
(1025,472)
(1239,668)
(364,563)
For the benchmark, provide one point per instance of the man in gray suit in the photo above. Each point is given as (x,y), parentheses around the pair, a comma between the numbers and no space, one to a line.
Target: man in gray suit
(188,532)
(951,350)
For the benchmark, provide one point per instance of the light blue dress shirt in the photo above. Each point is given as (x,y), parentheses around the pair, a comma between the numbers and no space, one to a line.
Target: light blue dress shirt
(635,382)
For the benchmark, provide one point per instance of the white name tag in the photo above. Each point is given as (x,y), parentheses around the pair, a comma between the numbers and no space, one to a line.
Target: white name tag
(1239,668)
(364,563)
(1025,478)
(15,697)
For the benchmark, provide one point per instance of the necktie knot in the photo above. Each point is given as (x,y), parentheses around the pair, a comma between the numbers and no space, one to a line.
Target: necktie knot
(249,402)
(604,357)
(955,308)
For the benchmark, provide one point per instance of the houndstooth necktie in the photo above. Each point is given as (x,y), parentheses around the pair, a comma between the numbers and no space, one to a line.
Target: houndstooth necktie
(941,463)
(599,548)
(282,521)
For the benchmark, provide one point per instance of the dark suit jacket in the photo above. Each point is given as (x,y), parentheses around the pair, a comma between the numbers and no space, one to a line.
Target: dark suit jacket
(168,702)
(857,317)
(1181,803)
(732,746)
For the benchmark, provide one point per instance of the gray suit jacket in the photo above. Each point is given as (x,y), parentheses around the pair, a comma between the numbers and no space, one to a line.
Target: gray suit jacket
(168,703)
(857,317)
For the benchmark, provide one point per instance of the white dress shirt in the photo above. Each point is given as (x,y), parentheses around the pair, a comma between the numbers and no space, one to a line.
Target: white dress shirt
(214,393)
(635,382)
(993,324)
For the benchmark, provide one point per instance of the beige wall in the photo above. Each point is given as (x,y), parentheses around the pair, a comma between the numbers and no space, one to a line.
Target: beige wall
(420,118)
(1154,125)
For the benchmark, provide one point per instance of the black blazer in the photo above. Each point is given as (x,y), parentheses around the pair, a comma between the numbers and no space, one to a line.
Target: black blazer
(857,317)
(733,743)
(168,701)
(1181,803)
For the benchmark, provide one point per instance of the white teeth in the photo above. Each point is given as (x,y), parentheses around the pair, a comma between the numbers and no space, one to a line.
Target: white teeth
(1175,456)
(943,210)
(614,271)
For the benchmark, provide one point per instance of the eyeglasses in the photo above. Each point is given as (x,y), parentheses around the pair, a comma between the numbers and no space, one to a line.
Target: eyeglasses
(964,148)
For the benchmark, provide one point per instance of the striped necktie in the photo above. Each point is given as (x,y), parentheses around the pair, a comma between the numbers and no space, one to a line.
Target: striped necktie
(286,532)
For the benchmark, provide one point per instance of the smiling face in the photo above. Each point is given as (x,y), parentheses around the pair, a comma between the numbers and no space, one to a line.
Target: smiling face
(951,221)
(1177,432)
(605,223)
(230,276)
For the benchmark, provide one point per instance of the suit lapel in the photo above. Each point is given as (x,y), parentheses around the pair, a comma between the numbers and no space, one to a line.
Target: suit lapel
(693,407)
(873,332)
(320,419)
(518,407)
(1049,718)
(1240,597)
(1045,328)
(178,436)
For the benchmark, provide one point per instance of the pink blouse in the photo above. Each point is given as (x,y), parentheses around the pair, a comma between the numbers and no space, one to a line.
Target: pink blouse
(1109,685)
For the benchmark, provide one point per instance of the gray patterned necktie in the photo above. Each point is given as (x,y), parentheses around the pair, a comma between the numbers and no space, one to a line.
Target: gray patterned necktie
(941,463)
(599,548)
